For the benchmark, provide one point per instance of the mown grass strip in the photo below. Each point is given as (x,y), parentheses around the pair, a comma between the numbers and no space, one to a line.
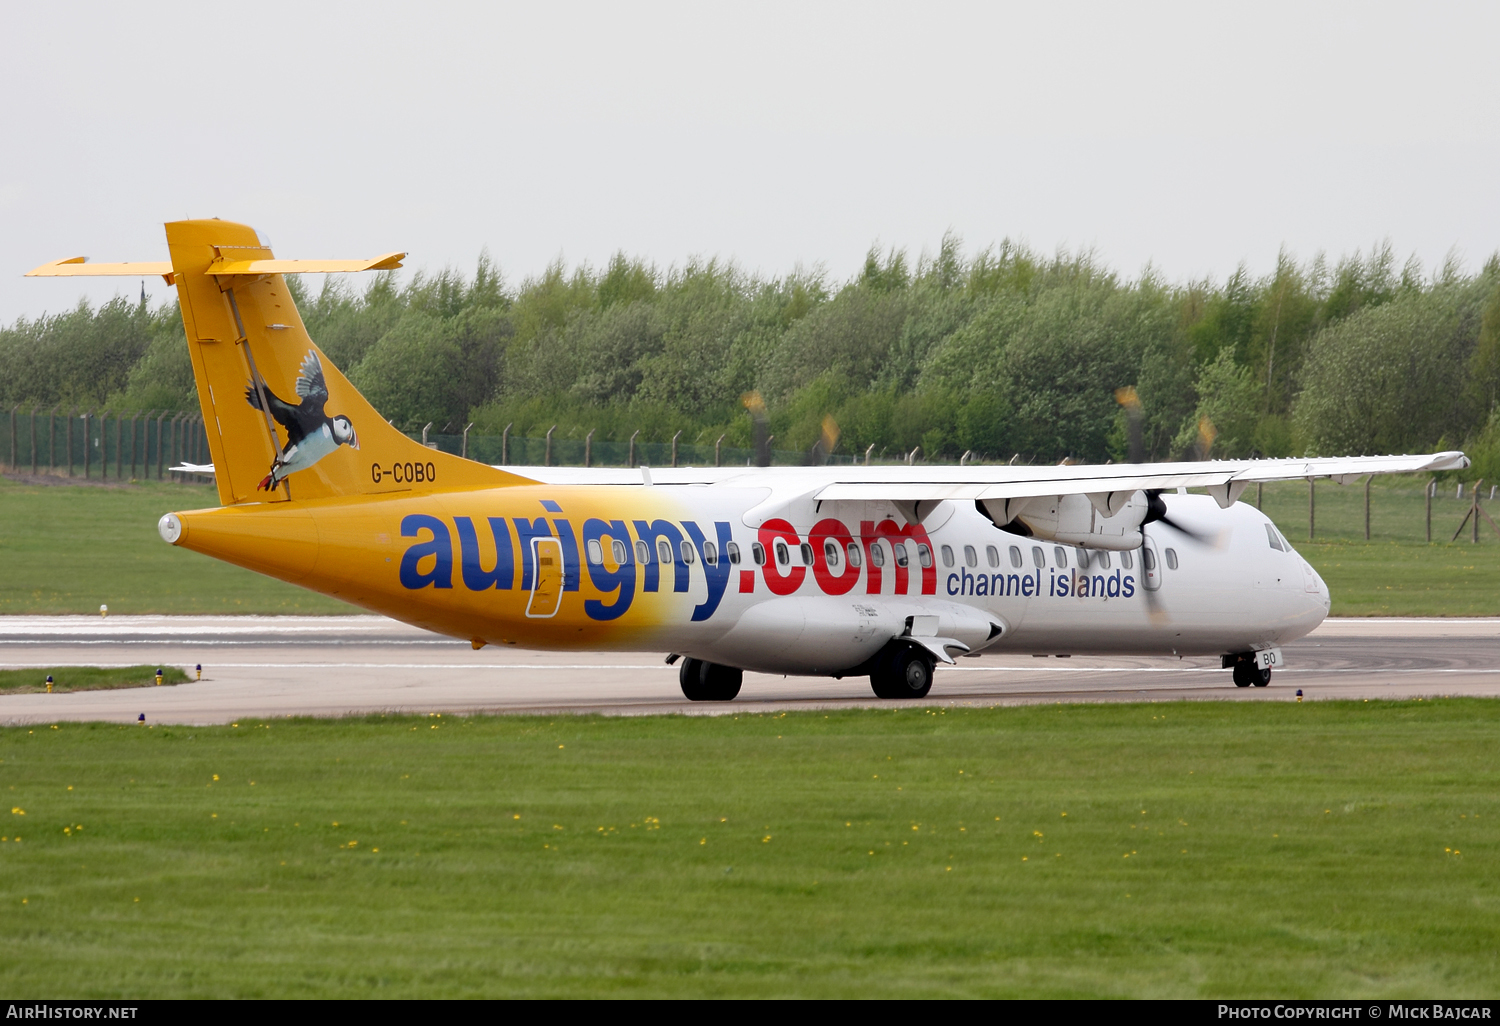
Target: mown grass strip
(1213,849)
(87,678)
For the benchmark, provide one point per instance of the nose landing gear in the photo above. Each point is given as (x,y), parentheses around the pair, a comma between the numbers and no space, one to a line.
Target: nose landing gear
(1247,674)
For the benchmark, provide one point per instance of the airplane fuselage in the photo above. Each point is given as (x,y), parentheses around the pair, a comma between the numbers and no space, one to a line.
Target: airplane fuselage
(764,577)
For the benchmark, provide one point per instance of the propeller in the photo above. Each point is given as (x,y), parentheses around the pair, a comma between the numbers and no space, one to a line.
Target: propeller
(1134,416)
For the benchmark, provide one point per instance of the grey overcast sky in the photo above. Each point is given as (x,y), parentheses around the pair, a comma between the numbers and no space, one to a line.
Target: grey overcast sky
(1192,136)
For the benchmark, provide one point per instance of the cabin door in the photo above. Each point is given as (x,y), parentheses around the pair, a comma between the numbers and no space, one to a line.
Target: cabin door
(546,578)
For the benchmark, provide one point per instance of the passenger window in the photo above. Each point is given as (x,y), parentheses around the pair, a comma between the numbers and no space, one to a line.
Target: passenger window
(1171,559)
(758,553)
(1015,556)
(663,550)
(947,555)
(783,555)
(1083,558)
(807,554)
(831,553)
(877,554)
(970,556)
(596,552)
(1062,556)
(1102,558)
(992,554)
(1038,556)
(732,550)
(1126,561)
(1148,560)
(1271,537)
(642,552)
(710,554)
(687,552)
(621,553)
(854,556)
(903,557)
(924,554)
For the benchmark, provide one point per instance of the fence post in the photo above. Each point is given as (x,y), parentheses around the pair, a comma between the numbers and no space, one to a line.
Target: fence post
(33,441)
(86,453)
(720,442)
(119,450)
(674,447)
(548,457)
(1476,509)
(464,451)
(51,447)
(160,449)
(630,461)
(1260,494)
(1430,490)
(14,466)
(1311,507)
(869,450)
(505,445)
(1368,479)
(588,449)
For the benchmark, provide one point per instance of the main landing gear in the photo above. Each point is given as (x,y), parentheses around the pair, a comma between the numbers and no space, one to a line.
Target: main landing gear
(902,671)
(709,682)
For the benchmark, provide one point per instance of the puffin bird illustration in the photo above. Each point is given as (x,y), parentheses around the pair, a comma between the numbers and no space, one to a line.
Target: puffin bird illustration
(310,433)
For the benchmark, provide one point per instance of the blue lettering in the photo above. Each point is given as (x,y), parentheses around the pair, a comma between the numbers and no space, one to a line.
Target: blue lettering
(476,577)
(982,584)
(648,533)
(1129,586)
(1113,589)
(952,588)
(717,574)
(525,531)
(570,554)
(965,583)
(1064,585)
(1026,585)
(1097,590)
(440,547)
(607,580)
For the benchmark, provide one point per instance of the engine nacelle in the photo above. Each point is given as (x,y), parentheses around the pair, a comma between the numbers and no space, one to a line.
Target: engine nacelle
(1107,520)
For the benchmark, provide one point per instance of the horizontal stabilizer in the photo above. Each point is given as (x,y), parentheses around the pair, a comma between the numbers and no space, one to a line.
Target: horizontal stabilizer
(192,468)
(75,267)
(385,262)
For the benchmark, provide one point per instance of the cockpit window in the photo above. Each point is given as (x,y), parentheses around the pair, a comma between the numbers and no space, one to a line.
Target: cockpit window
(1273,538)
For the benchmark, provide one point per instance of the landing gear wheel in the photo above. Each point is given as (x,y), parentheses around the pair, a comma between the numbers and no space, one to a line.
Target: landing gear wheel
(709,682)
(904,672)
(1246,673)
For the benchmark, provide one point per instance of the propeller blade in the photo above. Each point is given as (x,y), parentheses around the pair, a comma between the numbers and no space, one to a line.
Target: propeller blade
(1197,536)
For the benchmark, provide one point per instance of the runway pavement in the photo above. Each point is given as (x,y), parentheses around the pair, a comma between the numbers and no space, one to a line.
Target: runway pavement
(331,666)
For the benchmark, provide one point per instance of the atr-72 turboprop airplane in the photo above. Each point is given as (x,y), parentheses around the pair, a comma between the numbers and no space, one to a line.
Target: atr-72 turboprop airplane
(835,571)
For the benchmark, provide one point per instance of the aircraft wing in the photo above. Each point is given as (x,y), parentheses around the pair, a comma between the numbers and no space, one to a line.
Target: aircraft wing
(1224,479)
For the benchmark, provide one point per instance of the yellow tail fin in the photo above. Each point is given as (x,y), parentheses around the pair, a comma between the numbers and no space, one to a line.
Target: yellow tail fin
(283,423)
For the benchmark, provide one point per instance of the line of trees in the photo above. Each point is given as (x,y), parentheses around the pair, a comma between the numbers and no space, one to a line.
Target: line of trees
(998,352)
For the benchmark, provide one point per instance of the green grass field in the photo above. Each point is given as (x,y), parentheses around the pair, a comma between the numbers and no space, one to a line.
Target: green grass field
(1181,849)
(87,678)
(71,548)
(68,549)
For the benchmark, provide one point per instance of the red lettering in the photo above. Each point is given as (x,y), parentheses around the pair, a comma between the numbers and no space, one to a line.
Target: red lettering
(770,531)
(918,534)
(823,532)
